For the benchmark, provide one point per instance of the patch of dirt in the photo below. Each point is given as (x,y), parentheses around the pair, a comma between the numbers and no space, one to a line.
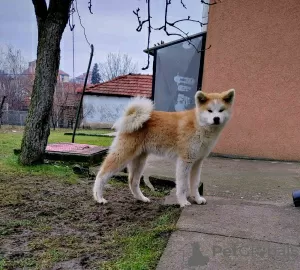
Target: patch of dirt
(10,128)
(50,224)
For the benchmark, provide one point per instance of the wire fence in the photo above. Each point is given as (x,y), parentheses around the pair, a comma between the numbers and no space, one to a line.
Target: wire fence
(18,118)
(15,118)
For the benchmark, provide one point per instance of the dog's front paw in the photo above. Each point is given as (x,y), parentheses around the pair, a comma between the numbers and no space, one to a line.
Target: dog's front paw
(102,201)
(200,200)
(99,199)
(143,199)
(184,203)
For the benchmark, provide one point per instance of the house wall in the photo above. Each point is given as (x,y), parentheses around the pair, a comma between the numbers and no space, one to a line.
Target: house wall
(102,111)
(255,49)
(63,78)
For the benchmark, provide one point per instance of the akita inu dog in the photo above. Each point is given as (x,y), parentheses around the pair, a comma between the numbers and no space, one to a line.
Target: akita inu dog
(186,136)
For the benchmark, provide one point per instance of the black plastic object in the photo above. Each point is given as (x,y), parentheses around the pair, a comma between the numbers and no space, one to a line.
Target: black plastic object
(77,169)
(296,198)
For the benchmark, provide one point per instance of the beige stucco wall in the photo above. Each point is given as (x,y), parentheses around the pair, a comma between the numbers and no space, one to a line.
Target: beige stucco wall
(255,48)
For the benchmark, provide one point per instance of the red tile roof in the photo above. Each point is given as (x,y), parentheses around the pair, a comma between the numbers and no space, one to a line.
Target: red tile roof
(127,85)
(82,76)
(79,89)
(61,72)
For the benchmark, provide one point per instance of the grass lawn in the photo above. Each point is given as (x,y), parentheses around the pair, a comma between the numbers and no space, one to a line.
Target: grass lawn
(10,138)
(48,219)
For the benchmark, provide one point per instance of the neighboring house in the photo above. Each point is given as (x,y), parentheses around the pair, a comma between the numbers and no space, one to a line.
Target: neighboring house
(16,89)
(65,103)
(104,103)
(80,79)
(62,76)
(253,46)
(65,100)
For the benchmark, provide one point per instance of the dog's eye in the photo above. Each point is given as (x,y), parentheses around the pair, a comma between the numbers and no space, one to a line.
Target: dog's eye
(221,110)
(209,111)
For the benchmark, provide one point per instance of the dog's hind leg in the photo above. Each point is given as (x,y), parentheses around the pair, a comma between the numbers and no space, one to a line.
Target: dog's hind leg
(113,163)
(195,182)
(135,171)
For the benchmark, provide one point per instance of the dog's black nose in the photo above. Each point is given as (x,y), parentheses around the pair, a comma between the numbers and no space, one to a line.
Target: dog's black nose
(216,120)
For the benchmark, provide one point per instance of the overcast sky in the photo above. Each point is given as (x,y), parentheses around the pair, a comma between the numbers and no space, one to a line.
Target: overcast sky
(111,28)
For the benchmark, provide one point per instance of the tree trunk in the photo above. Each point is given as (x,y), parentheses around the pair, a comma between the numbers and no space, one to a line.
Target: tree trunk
(51,24)
(53,122)
(1,109)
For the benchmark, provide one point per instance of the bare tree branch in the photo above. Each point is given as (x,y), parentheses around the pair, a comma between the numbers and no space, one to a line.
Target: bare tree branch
(79,17)
(12,85)
(141,23)
(184,35)
(210,4)
(72,11)
(90,6)
(149,34)
(183,4)
(63,100)
(188,19)
(167,24)
(116,65)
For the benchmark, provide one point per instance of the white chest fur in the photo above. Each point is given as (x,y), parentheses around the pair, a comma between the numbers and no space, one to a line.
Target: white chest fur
(202,143)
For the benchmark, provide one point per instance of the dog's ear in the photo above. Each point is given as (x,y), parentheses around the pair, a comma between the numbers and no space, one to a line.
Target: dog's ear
(200,98)
(228,96)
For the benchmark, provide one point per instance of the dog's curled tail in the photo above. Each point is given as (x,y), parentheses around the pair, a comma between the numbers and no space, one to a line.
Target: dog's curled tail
(136,114)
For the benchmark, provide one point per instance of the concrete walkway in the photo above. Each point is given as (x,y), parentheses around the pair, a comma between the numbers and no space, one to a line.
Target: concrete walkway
(248,223)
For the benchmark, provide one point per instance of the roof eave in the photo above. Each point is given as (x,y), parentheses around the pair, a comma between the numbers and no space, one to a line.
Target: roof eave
(107,94)
(153,49)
